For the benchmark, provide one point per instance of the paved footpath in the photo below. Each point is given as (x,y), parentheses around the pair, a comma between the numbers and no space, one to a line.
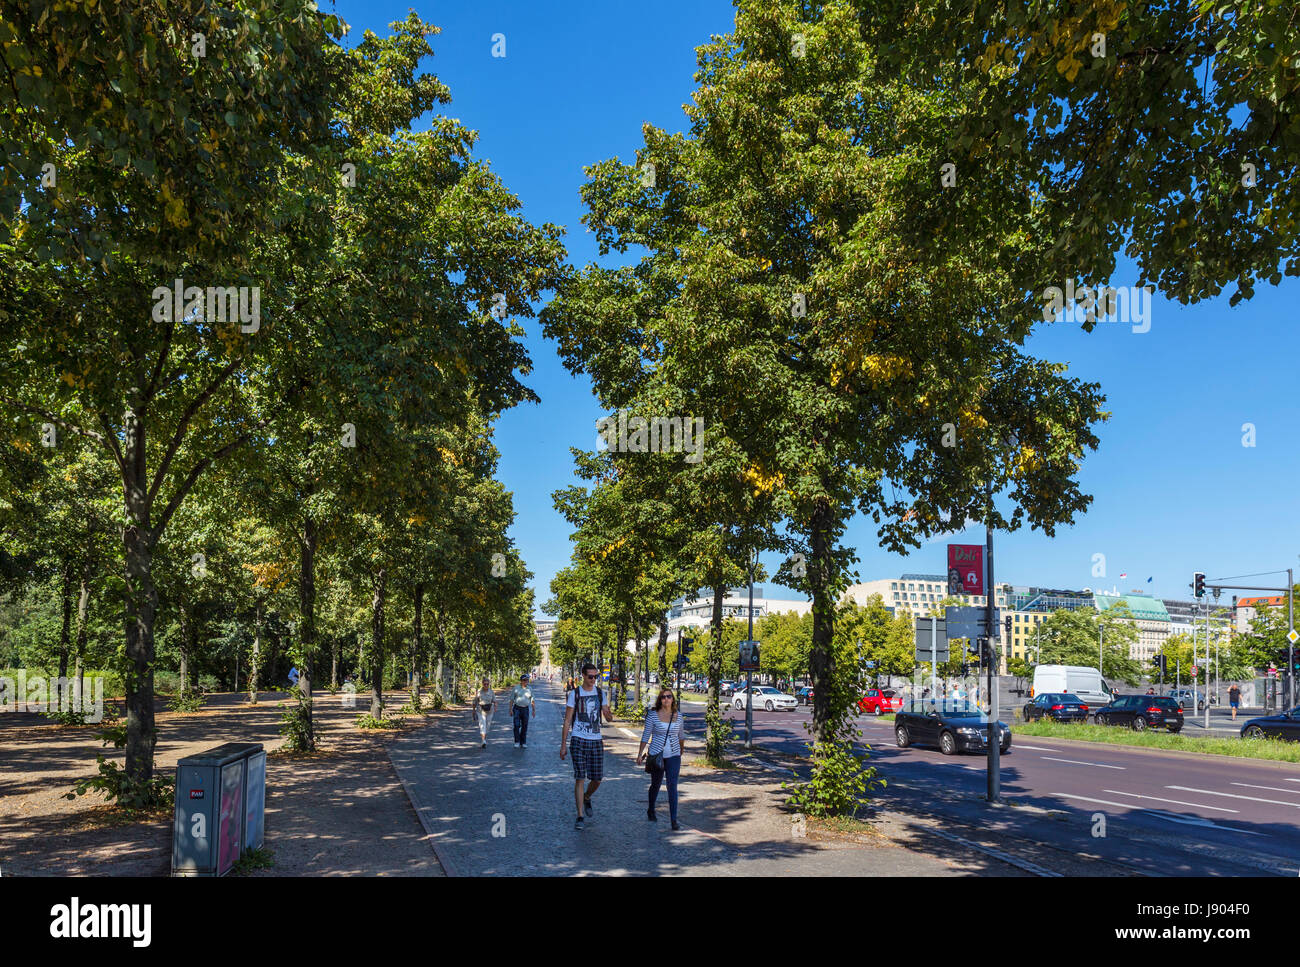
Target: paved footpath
(732,821)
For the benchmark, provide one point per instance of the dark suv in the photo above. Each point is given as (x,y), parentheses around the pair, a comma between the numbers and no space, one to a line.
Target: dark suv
(1140,712)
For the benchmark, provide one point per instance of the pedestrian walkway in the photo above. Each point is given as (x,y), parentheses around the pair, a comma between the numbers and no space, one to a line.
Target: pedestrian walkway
(505,811)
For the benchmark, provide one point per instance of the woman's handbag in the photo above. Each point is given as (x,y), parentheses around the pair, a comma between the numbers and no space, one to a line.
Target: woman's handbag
(655,763)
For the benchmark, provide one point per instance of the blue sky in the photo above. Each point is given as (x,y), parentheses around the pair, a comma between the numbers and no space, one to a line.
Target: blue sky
(1175,491)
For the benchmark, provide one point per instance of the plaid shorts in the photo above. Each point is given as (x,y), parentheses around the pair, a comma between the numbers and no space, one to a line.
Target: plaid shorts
(588,758)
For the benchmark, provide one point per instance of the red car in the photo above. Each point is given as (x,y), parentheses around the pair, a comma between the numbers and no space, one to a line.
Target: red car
(878,701)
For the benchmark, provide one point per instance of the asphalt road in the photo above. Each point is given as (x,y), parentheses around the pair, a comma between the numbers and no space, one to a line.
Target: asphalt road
(1164,813)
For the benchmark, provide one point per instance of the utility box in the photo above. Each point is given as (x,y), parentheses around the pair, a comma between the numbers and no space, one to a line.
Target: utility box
(220,808)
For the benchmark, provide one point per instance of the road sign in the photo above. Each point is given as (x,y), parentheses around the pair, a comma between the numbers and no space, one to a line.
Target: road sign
(923,632)
(965,568)
(968,622)
(1293,636)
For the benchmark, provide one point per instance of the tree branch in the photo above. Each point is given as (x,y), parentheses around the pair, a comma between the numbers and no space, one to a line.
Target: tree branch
(161,525)
(181,427)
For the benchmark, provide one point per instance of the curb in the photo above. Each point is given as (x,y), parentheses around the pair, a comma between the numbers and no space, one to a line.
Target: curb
(447,867)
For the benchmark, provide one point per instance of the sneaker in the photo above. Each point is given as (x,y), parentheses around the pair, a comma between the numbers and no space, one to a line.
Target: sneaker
(676,825)
(650,815)
(516,745)
(577,823)
(587,805)
(484,745)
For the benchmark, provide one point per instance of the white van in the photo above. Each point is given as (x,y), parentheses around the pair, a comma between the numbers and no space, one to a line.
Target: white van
(1079,680)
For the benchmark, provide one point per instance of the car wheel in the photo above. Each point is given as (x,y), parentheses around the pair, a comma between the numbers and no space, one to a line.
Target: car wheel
(947,744)
(1254,732)
(901,737)
(768,706)
(1139,724)
(1005,750)
(879,710)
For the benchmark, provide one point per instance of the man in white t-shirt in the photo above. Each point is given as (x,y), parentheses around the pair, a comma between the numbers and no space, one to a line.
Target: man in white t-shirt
(584,708)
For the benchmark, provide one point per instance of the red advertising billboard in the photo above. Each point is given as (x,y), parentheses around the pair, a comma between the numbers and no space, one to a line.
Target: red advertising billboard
(965,568)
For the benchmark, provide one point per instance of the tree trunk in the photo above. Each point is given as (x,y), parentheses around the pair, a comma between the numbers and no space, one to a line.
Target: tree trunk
(443,671)
(713,744)
(83,609)
(256,657)
(640,634)
(621,653)
(65,635)
(183,619)
(822,656)
(141,609)
(334,665)
(377,649)
(307,629)
(417,645)
(663,653)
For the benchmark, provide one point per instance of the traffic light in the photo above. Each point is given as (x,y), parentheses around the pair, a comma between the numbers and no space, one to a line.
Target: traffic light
(1006,622)
(1162,663)
(1198,581)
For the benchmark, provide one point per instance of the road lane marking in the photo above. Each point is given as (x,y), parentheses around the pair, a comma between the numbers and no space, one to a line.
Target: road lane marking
(1035,748)
(1294,792)
(1233,795)
(1104,802)
(1161,814)
(1176,802)
(628,732)
(1076,762)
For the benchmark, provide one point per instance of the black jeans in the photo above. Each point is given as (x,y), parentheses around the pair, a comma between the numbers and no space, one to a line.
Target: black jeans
(672,769)
(520,722)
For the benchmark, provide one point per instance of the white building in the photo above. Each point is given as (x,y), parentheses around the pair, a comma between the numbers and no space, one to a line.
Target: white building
(698,613)
(918,593)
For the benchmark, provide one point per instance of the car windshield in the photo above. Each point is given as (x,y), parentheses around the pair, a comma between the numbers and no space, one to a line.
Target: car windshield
(769,690)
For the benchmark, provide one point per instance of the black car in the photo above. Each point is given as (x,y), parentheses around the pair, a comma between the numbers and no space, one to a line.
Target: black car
(952,727)
(1284,725)
(1140,712)
(1058,706)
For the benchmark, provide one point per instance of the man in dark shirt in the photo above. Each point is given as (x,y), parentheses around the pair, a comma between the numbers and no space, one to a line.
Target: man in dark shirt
(1234,699)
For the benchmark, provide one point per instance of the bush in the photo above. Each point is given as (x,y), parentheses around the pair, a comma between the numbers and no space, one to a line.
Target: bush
(436,702)
(209,683)
(839,783)
(166,683)
(368,721)
(155,795)
(293,723)
(192,702)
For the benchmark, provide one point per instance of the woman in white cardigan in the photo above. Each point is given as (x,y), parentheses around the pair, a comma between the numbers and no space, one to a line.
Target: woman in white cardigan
(661,741)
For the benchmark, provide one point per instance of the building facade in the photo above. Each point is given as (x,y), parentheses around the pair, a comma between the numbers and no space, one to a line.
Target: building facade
(697,611)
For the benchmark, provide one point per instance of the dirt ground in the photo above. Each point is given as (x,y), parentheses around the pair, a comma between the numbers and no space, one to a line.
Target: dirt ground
(340,811)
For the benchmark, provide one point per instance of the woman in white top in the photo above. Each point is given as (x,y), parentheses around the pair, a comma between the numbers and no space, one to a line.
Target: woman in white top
(662,734)
(485,702)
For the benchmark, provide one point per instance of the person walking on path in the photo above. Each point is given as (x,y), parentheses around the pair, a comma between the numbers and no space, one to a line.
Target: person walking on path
(1234,699)
(661,740)
(484,706)
(521,701)
(584,707)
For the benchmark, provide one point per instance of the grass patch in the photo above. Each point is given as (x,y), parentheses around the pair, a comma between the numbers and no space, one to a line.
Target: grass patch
(1271,749)
(706,764)
(255,859)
